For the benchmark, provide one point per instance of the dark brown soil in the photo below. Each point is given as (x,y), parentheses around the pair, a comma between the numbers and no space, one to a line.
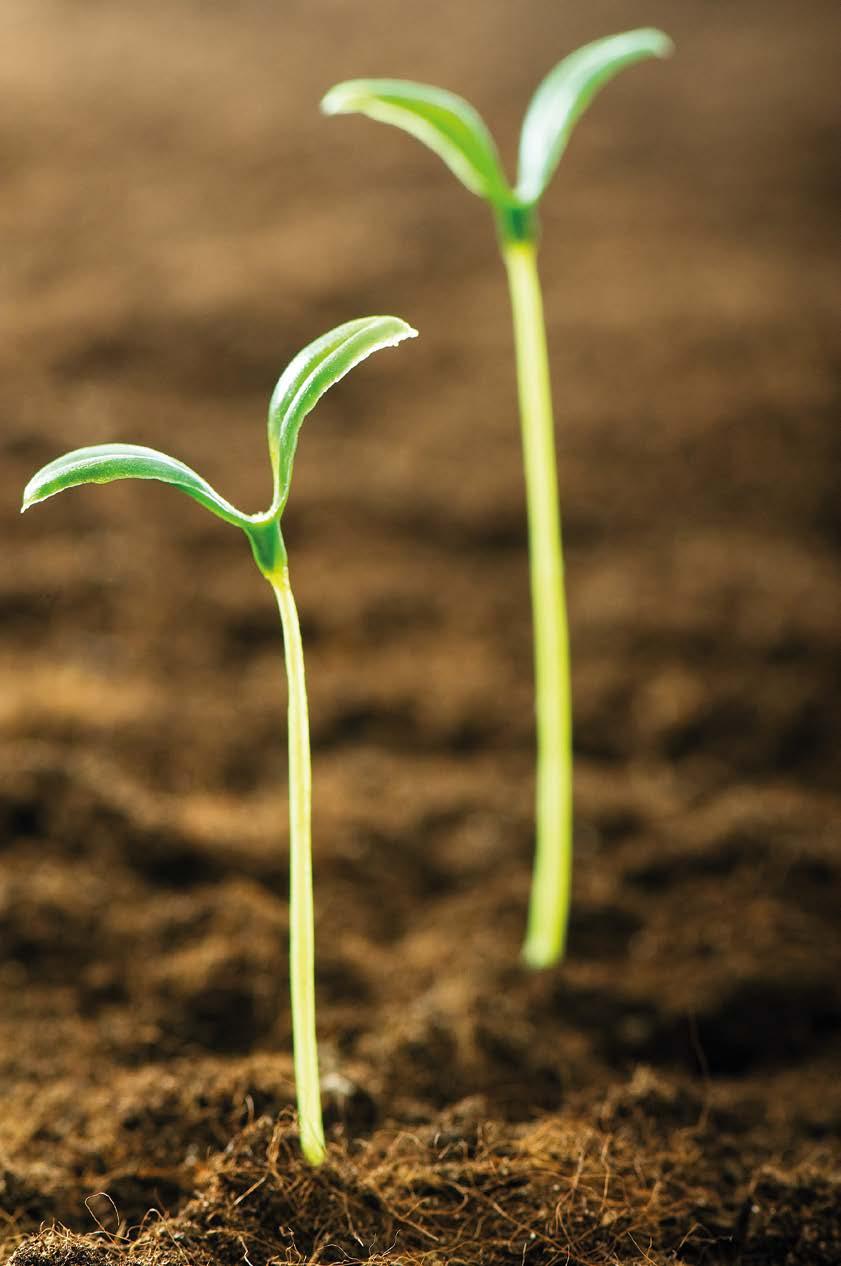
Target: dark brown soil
(176,220)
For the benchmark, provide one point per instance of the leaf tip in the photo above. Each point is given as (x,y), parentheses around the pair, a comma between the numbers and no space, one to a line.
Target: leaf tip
(404,331)
(30,498)
(661,44)
(392,330)
(338,99)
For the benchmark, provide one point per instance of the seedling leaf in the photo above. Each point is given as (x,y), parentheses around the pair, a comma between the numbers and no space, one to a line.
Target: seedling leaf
(564,95)
(445,122)
(312,372)
(103,463)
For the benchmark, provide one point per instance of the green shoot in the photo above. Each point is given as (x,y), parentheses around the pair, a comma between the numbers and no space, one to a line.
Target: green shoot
(306,379)
(453,129)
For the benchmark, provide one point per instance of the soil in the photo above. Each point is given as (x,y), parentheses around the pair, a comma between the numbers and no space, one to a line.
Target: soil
(177,220)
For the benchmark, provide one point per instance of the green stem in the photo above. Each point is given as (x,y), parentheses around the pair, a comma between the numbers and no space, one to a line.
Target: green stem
(550,893)
(301,918)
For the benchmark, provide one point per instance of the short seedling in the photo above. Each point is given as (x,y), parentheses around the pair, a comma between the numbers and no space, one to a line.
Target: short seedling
(299,389)
(453,129)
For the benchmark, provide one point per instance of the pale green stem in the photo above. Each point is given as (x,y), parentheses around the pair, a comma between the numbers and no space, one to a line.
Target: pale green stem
(301,918)
(550,893)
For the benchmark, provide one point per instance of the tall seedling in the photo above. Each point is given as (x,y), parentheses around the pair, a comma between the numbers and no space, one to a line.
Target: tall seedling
(453,129)
(299,389)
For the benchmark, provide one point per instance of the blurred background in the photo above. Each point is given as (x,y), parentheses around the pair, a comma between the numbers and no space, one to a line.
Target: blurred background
(177,219)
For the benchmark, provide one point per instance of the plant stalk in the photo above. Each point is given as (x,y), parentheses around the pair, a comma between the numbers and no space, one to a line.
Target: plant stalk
(301,917)
(551,881)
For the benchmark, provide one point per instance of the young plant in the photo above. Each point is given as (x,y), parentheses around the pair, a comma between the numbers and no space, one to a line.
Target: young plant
(303,383)
(453,129)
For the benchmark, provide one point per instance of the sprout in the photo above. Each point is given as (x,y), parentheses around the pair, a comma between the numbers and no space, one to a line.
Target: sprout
(453,129)
(301,386)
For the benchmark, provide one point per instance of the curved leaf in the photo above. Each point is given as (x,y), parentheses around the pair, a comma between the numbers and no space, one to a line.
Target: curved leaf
(103,463)
(312,372)
(445,122)
(564,95)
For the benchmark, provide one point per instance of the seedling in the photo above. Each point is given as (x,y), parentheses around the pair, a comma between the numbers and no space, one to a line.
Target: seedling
(301,386)
(454,130)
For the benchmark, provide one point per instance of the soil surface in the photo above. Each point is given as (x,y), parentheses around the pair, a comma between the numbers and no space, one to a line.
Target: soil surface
(177,220)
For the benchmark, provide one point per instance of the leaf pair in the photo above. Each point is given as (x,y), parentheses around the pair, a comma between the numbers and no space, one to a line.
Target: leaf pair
(312,372)
(455,131)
